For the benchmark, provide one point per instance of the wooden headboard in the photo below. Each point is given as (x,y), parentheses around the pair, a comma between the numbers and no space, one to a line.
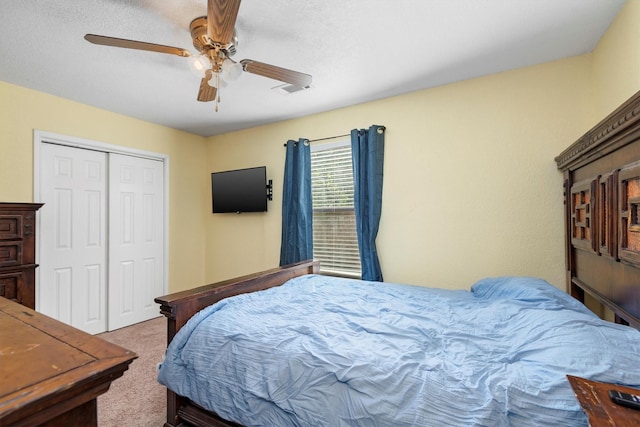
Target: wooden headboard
(602,213)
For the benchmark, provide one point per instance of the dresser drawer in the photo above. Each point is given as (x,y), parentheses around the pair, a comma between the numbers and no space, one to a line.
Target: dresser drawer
(11,227)
(18,284)
(9,285)
(11,253)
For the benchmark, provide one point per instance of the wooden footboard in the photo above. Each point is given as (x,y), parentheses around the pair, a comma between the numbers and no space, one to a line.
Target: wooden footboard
(179,307)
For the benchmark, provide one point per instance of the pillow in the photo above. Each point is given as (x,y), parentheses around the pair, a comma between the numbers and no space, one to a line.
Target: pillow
(525,289)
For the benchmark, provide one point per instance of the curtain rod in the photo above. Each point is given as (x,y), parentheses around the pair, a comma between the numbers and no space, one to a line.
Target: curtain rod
(324,139)
(380,130)
(330,137)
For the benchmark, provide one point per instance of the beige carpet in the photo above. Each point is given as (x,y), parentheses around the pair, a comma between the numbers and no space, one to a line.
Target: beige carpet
(136,398)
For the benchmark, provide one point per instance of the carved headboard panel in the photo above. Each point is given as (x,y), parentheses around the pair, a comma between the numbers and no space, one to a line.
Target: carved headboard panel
(602,212)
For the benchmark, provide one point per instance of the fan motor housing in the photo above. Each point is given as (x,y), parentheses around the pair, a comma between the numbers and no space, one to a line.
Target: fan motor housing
(203,43)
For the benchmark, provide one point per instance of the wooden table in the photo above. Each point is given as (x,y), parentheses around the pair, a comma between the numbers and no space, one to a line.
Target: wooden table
(601,411)
(51,373)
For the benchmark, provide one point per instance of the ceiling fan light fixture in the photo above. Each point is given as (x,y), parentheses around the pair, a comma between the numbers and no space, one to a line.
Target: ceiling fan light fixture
(217,81)
(199,64)
(231,70)
(213,81)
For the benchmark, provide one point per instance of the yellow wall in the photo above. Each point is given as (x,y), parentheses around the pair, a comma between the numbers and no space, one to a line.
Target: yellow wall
(616,62)
(23,110)
(470,188)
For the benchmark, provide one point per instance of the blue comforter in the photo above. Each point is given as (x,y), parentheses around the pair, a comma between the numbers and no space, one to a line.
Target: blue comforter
(322,351)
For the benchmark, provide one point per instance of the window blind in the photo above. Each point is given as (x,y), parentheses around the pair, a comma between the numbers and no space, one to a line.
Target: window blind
(335,243)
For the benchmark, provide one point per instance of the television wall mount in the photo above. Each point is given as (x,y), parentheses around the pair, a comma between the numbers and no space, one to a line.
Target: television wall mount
(270,190)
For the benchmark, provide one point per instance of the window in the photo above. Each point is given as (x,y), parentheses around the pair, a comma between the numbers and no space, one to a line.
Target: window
(335,243)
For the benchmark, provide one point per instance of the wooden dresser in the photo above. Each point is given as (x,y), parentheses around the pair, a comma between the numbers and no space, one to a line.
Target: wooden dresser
(18,252)
(50,373)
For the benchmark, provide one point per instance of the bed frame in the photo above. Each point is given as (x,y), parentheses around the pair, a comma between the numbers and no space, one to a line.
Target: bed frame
(179,307)
(602,217)
(602,213)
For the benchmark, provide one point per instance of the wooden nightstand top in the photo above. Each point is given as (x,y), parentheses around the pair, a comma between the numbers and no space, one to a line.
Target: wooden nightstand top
(601,411)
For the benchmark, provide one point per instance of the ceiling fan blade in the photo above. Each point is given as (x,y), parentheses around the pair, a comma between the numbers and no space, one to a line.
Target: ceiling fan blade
(277,73)
(221,19)
(206,93)
(132,44)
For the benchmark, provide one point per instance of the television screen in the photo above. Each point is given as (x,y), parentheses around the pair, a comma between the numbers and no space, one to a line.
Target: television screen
(242,190)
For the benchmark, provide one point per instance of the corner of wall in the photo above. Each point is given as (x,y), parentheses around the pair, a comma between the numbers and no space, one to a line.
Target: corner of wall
(616,62)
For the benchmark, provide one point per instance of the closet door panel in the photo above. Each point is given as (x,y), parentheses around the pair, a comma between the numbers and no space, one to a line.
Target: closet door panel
(72,285)
(136,239)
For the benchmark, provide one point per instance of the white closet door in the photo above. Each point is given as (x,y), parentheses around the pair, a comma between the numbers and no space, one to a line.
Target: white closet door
(72,272)
(136,239)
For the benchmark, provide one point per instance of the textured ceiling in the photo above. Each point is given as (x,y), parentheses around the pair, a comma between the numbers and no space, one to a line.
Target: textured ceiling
(356,51)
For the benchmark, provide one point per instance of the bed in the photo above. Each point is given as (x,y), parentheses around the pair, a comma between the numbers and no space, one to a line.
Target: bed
(498,354)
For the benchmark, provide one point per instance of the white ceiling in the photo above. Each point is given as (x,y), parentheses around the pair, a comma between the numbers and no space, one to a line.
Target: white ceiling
(356,51)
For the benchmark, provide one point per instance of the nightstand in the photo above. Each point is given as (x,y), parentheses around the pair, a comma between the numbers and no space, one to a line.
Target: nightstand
(601,411)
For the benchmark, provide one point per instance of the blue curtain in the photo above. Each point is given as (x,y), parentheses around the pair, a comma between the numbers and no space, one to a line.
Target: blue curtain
(367,148)
(297,231)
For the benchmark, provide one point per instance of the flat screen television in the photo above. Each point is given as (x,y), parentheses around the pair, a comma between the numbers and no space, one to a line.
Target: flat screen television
(240,190)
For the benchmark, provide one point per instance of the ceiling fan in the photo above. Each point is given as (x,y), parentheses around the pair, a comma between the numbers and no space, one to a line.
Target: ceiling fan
(215,39)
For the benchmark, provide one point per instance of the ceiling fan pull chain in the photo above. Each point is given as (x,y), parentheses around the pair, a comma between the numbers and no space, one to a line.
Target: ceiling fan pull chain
(218,86)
